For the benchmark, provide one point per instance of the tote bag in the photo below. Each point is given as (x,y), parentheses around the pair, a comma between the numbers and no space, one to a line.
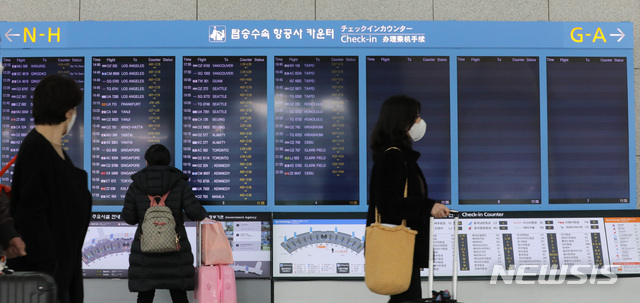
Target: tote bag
(215,245)
(388,258)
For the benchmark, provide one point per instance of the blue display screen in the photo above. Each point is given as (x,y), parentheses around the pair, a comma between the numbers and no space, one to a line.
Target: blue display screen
(132,107)
(499,130)
(224,129)
(425,78)
(19,79)
(588,134)
(276,116)
(316,127)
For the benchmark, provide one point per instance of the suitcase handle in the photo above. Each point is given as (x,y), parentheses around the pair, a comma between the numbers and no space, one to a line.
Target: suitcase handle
(198,244)
(431,232)
(454,288)
(456,215)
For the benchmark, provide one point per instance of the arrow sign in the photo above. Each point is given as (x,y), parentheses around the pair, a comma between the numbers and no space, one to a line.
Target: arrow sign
(621,35)
(10,35)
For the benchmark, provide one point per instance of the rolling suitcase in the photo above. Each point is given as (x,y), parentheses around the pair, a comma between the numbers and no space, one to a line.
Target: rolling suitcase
(27,287)
(214,283)
(444,296)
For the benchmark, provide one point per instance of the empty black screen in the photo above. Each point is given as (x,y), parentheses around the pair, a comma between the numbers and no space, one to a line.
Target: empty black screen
(588,130)
(427,80)
(499,130)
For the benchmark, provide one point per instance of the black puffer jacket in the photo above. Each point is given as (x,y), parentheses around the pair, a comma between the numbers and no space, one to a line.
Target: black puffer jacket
(161,270)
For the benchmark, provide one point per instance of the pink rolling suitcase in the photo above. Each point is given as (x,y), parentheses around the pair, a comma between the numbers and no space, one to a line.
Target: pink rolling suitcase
(215,284)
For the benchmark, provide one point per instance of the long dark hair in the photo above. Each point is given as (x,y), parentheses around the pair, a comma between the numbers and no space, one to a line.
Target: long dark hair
(397,115)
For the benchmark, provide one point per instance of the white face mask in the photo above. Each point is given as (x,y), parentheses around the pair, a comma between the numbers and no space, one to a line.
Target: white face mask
(70,125)
(417,130)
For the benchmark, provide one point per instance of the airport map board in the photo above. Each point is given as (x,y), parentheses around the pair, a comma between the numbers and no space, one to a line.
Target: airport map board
(106,248)
(330,245)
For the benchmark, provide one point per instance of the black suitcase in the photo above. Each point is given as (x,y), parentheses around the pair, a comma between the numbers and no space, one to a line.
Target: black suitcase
(27,287)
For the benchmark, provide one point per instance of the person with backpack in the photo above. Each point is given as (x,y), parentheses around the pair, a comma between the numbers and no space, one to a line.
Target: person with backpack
(161,255)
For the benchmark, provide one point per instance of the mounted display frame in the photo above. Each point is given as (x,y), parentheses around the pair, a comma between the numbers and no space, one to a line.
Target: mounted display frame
(523,116)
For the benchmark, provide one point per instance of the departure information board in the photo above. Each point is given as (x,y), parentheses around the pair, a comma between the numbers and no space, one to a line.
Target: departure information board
(19,79)
(427,80)
(224,136)
(316,127)
(275,116)
(588,136)
(499,130)
(132,107)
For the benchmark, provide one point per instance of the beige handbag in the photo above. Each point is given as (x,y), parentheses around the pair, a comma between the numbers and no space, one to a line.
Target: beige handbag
(215,246)
(388,258)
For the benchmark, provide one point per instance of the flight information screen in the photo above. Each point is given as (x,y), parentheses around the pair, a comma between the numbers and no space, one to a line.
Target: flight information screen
(427,80)
(20,77)
(276,116)
(224,129)
(530,133)
(499,130)
(132,107)
(316,130)
(588,130)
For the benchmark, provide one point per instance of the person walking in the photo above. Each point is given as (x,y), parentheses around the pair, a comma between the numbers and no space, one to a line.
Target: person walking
(394,165)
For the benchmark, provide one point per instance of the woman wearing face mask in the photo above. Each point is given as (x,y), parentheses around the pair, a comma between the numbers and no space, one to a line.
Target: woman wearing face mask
(50,200)
(395,163)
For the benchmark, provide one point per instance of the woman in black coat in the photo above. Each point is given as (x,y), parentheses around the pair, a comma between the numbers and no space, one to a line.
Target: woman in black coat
(50,198)
(395,163)
(172,270)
